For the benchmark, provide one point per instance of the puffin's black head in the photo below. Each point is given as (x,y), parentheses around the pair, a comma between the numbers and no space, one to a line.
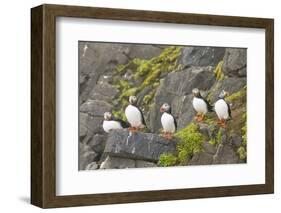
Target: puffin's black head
(223,94)
(196,92)
(107,116)
(165,108)
(133,100)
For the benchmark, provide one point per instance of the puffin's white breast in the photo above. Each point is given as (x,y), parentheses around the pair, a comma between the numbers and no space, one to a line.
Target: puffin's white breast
(168,122)
(133,116)
(110,125)
(200,105)
(221,109)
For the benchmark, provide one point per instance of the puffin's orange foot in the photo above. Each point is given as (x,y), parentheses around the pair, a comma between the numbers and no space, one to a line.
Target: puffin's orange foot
(196,118)
(133,129)
(200,118)
(167,135)
(223,123)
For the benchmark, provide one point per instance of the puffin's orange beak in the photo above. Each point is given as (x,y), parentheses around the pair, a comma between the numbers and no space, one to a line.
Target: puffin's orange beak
(161,109)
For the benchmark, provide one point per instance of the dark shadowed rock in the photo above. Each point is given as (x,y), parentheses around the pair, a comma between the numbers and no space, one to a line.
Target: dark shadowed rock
(234,62)
(236,140)
(86,156)
(201,56)
(138,146)
(89,125)
(97,143)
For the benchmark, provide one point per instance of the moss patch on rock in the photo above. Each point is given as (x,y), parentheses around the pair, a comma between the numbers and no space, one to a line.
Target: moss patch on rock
(237,95)
(219,72)
(242,150)
(167,160)
(144,74)
(189,143)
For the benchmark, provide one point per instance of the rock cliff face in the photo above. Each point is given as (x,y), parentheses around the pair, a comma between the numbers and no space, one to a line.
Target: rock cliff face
(128,150)
(109,73)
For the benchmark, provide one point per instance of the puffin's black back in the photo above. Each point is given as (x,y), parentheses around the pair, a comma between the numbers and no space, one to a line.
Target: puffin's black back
(175,122)
(124,124)
(142,117)
(229,111)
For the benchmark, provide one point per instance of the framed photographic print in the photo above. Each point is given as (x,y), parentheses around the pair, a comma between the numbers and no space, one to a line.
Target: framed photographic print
(137,106)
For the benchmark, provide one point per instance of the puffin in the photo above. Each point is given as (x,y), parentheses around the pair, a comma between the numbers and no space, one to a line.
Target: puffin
(200,105)
(168,121)
(222,109)
(134,115)
(111,123)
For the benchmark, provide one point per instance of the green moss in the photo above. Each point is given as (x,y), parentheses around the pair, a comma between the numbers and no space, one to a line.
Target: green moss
(190,143)
(218,71)
(237,95)
(121,68)
(213,141)
(218,139)
(167,160)
(210,120)
(156,84)
(123,85)
(119,114)
(242,152)
(219,136)
(244,135)
(145,72)
(244,129)
(129,92)
(147,98)
(151,77)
